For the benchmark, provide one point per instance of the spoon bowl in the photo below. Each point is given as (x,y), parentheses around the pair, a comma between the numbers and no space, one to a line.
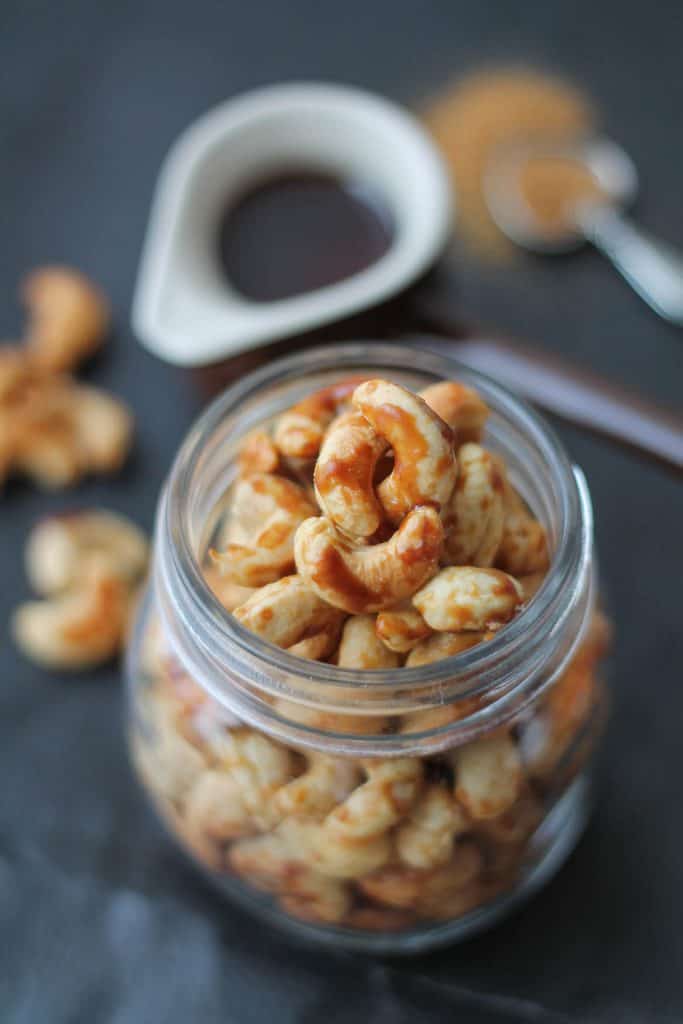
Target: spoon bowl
(608,163)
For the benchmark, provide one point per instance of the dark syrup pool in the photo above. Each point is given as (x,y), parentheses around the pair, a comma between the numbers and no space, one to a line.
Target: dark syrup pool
(299,232)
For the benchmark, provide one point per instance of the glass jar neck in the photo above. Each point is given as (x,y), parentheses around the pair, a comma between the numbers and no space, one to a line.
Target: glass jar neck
(255,680)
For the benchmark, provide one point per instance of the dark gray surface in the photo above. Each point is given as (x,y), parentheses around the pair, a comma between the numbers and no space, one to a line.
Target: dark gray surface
(100,921)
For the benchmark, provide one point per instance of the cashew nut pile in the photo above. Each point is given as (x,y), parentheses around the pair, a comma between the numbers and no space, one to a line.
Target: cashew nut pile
(419,548)
(86,566)
(53,429)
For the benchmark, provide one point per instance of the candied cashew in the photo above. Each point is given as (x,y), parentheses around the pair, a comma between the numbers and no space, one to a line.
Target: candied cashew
(523,547)
(401,629)
(361,648)
(214,807)
(406,887)
(259,767)
(300,430)
(168,764)
(60,547)
(286,611)
(339,857)
(442,645)
(277,506)
(426,838)
(230,594)
(332,721)
(326,782)
(425,466)
(488,775)
(473,519)
(467,598)
(68,317)
(274,863)
(79,628)
(64,431)
(517,824)
(460,407)
(373,577)
(318,646)
(344,476)
(390,791)
(257,454)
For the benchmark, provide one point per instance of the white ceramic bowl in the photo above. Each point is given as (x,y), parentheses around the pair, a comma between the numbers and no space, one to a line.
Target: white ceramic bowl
(183,309)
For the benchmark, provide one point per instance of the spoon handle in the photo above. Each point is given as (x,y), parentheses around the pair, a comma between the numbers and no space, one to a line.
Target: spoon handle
(652,268)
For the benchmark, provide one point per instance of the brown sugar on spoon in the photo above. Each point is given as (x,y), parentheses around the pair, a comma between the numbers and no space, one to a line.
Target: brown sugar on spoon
(553,186)
(493,109)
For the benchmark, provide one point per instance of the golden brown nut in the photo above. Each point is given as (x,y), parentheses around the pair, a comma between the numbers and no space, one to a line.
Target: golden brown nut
(425,467)
(270,509)
(401,629)
(167,763)
(286,612)
(68,317)
(344,476)
(442,645)
(259,767)
(488,775)
(460,407)
(327,781)
(60,548)
(63,431)
(214,807)
(407,887)
(258,454)
(373,577)
(361,648)
(523,547)
(79,628)
(466,598)
(275,863)
(299,431)
(426,838)
(473,519)
(391,789)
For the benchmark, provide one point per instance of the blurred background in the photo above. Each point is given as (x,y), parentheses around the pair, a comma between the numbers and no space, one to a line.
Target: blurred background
(99,918)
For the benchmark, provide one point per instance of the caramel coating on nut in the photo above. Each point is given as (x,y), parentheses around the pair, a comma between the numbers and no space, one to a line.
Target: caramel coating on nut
(68,317)
(474,517)
(401,629)
(425,467)
(214,807)
(285,611)
(299,431)
(344,475)
(467,598)
(523,547)
(442,645)
(327,781)
(361,648)
(389,793)
(60,549)
(80,628)
(61,431)
(373,577)
(425,839)
(408,887)
(258,454)
(271,508)
(488,775)
(460,407)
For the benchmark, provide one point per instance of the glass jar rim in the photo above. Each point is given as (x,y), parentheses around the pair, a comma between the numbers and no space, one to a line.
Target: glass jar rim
(230,649)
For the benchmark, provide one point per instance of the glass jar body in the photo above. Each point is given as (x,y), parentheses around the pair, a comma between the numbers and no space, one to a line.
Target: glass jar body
(383,819)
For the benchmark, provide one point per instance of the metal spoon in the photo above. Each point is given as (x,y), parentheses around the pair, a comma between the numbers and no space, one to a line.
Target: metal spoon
(652,268)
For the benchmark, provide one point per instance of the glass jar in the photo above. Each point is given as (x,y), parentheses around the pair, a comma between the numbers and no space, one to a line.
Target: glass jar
(250,755)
